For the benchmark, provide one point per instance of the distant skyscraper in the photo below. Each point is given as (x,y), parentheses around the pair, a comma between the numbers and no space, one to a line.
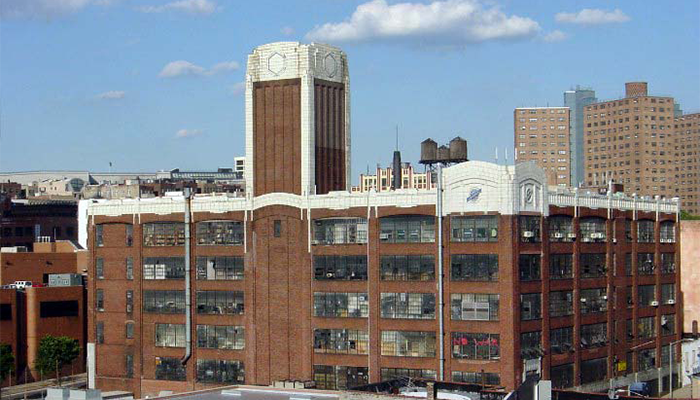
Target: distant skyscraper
(576,100)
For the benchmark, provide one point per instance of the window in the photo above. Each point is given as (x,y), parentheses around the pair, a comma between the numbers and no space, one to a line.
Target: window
(340,267)
(562,376)
(170,369)
(561,303)
(100,300)
(668,293)
(628,264)
(129,235)
(220,233)
(646,294)
(6,312)
(561,340)
(474,307)
(170,335)
(561,228)
(164,234)
(594,335)
(594,300)
(220,371)
(668,232)
(277,228)
(129,330)
(646,327)
(338,377)
(530,306)
(100,332)
(164,301)
(100,268)
(646,359)
(408,305)
(407,229)
(407,268)
(593,265)
(476,346)
(340,231)
(561,266)
(395,373)
(129,268)
(129,365)
(668,263)
(645,264)
(628,230)
(408,344)
(222,268)
(223,302)
(164,268)
(52,309)
(529,266)
(530,229)
(341,341)
(475,229)
(99,239)
(594,370)
(645,231)
(475,267)
(478,378)
(668,324)
(341,305)
(592,229)
(129,301)
(222,337)
(531,345)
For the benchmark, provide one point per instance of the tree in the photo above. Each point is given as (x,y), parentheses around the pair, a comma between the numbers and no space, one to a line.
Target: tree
(688,216)
(7,361)
(55,352)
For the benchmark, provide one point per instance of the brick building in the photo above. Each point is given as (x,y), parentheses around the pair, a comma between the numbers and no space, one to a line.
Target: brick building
(344,288)
(686,143)
(542,135)
(22,222)
(61,257)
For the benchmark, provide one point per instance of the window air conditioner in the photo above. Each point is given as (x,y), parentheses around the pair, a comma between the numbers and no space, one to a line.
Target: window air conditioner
(558,235)
(604,297)
(383,236)
(528,234)
(654,303)
(671,301)
(597,235)
(571,236)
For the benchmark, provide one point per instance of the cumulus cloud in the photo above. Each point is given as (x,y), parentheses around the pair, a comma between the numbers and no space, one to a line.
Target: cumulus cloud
(112,95)
(238,88)
(183,68)
(287,31)
(447,22)
(41,8)
(197,7)
(555,36)
(592,16)
(186,133)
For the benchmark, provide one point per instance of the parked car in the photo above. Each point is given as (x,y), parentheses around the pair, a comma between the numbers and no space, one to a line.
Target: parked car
(22,284)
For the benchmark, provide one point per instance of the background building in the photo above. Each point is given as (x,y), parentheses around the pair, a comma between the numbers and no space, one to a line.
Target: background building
(576,100)
(542,134)
(686,143)
(23,222)
(381,180)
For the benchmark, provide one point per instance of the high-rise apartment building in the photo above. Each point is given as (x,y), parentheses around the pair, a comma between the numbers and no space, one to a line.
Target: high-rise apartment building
(542,135)
(576,100)
(631,141)
(686,142)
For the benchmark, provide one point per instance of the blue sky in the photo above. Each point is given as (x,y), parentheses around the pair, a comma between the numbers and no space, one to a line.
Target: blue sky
(152,85)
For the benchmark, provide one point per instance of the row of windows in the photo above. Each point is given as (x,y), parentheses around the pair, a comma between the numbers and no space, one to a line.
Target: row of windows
(210,371)
(173,302)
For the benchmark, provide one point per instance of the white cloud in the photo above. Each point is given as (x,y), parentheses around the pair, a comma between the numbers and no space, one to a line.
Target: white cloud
(447,22)
(555,36)
(185,133)
(238,88)
(592,16)
(287,31)
(40,8)
(200,7)
(112,95)
(182,68)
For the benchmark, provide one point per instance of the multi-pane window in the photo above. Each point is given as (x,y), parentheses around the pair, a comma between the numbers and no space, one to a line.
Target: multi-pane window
(530,230)
(129,235)
(646,327)
(561,266)
(668,263)
(100,332)
(408,344)
(164,268)
(646,359)
(338,377)
(561,228)
(340,267)
(99,235)
(226,302)
(478,378)
(164,301)
(220,268)
(628,230)
(629,328)
(668,293)
(340,231)
(475,229)
(129,330)
(561,340)
(668,232)
(593,265)
(531,345)
(408,305)
(170,335)
(407,229)
(594,300)
(476,346)
(396,373)
(646,294)
(668,324)
(562,376)
(628,264)
(665,354)
(100,268)
(645,231)
(129,268)
(592,229)
(164,234)
(220,371)
(129,365)
(100,300)
(594,370)
(474,306)
(529,267)
(475,267)
(645,263)
(561,303)
(220,233)
(129,301)
(341,341)
(341,305)
(223,337)
(170,369)
(408,268)
(530,306)
(594,335)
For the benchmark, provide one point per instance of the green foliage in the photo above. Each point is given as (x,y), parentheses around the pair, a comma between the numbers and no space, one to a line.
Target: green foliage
(688,216)
(7,360)
(56,351)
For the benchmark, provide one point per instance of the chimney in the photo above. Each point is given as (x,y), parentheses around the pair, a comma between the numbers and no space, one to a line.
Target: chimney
(635,89)
(396,167)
